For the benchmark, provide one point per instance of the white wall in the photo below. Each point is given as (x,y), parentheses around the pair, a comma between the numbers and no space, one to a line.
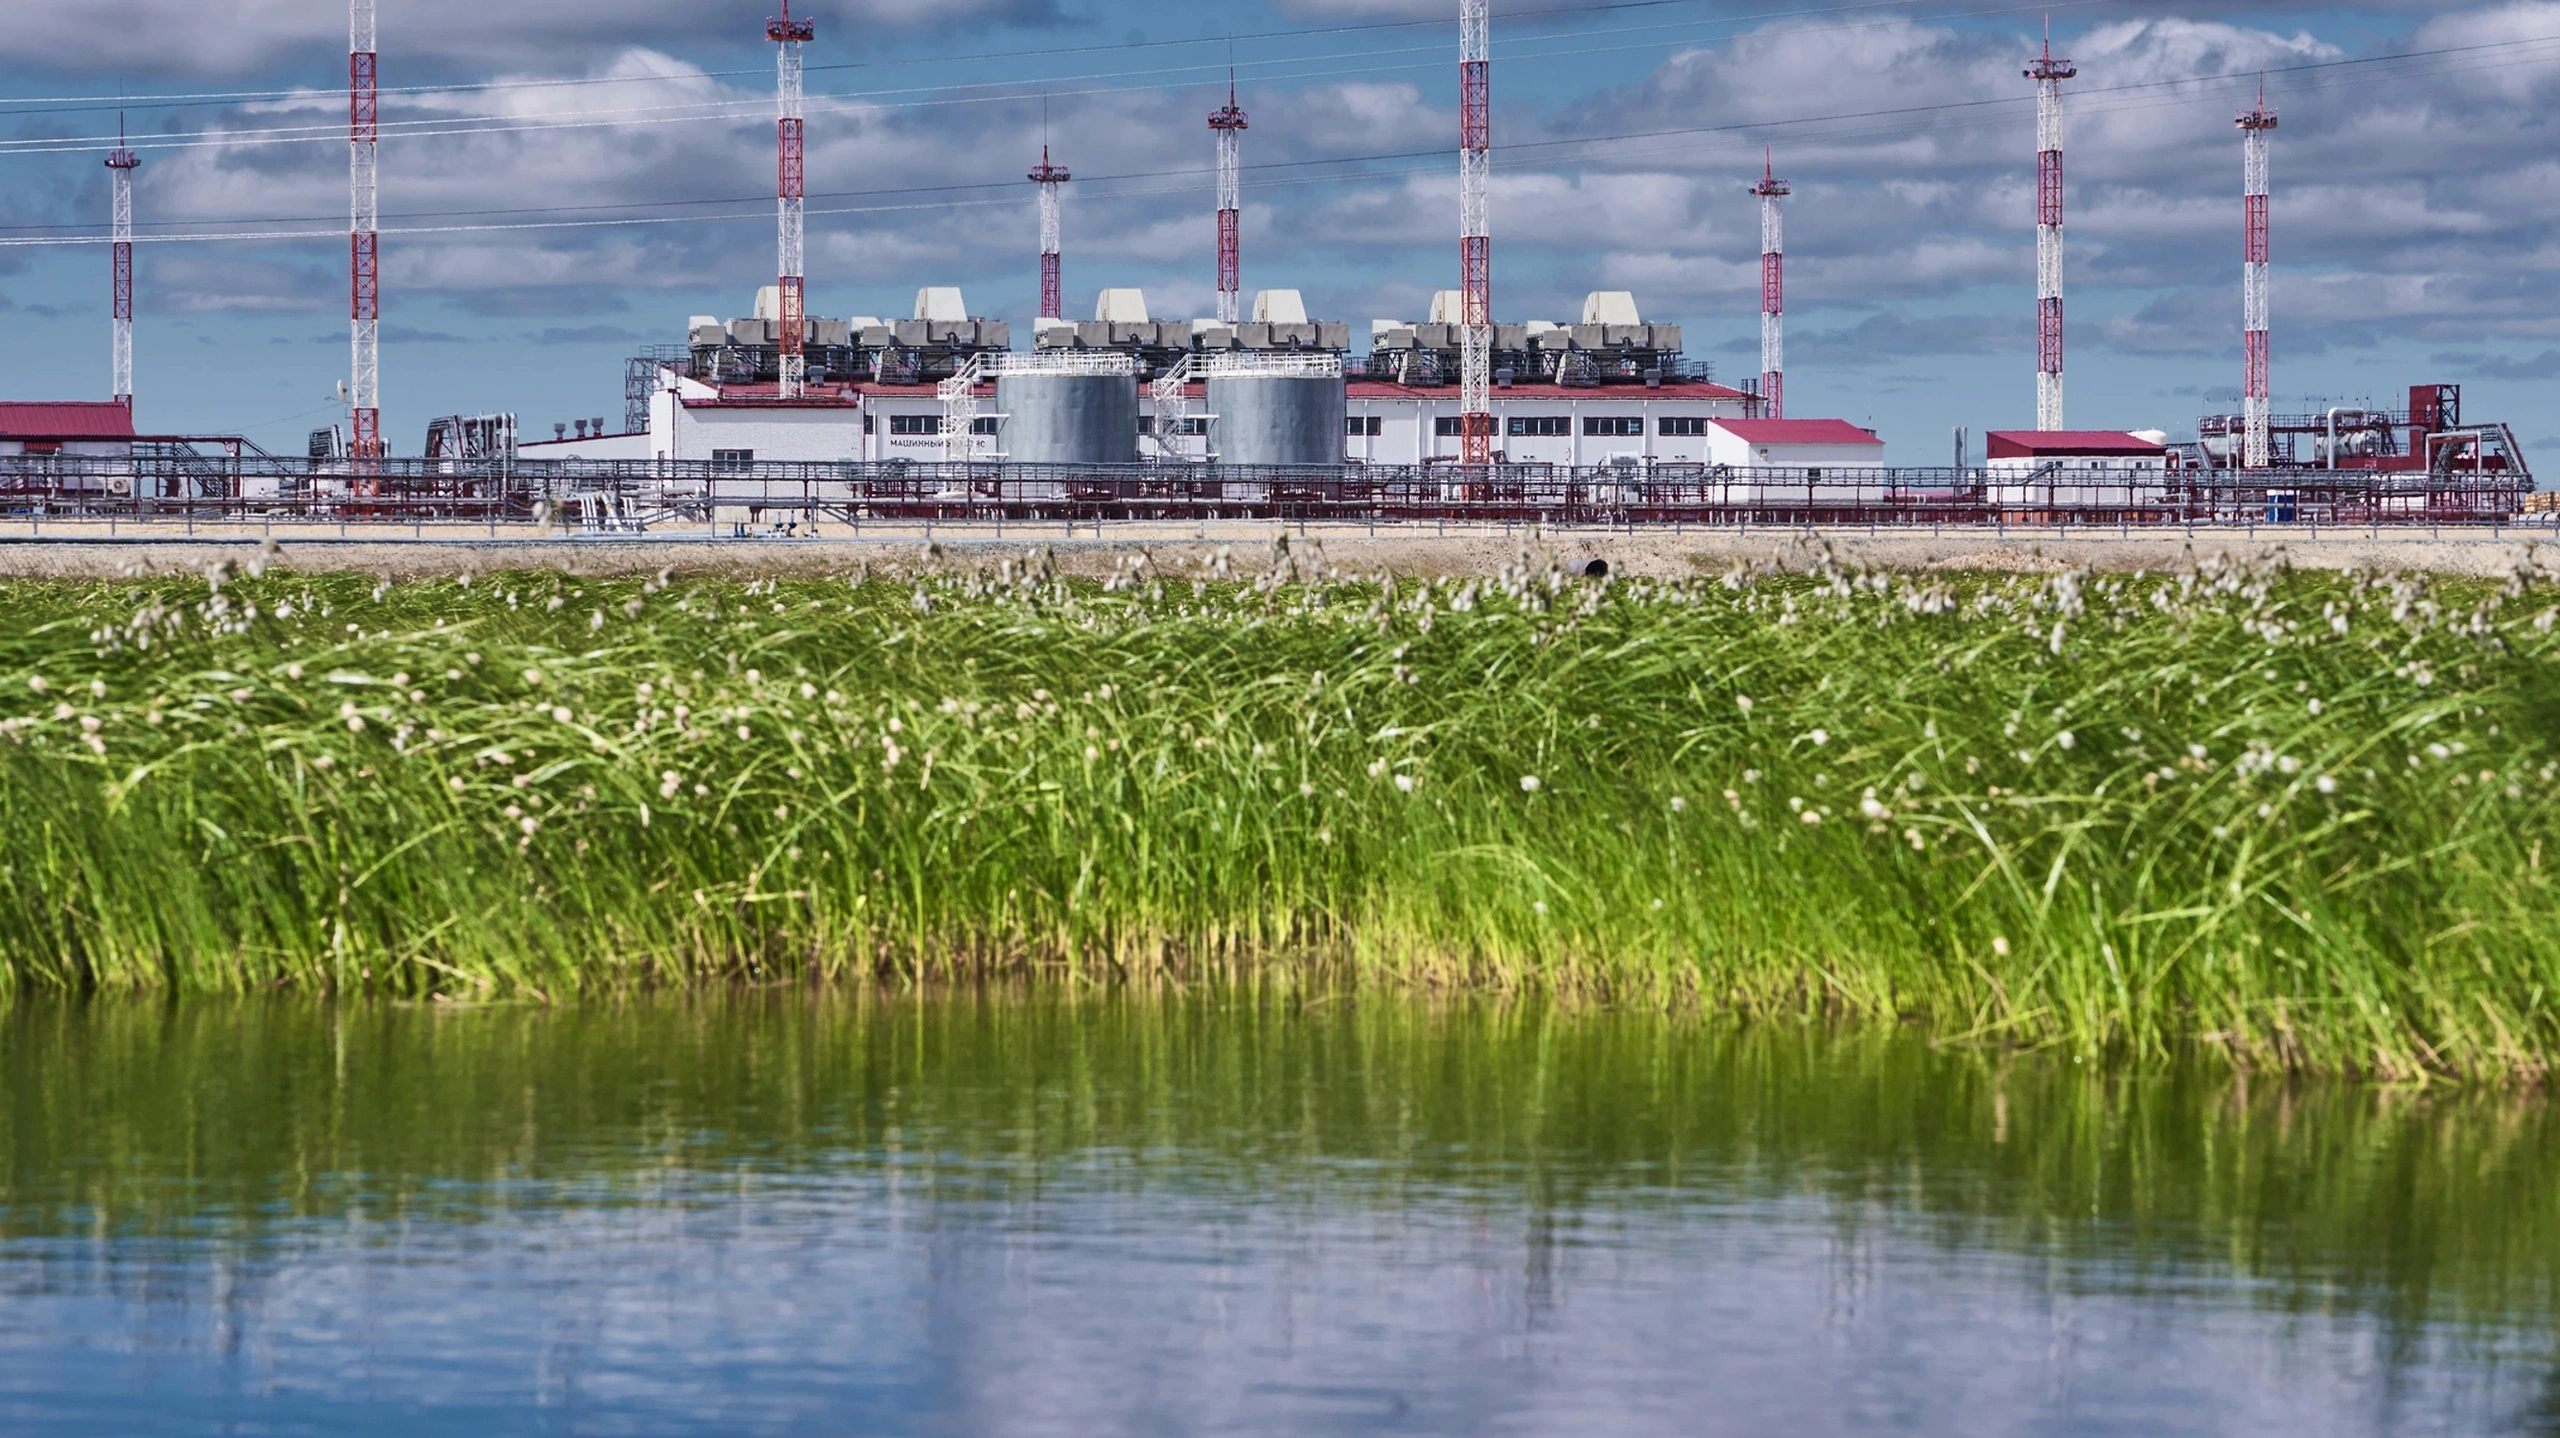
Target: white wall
(2076,482)
(1408,430)
(2022,467)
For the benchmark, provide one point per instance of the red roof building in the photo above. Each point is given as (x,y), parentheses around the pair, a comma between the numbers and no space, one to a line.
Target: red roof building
(74,426)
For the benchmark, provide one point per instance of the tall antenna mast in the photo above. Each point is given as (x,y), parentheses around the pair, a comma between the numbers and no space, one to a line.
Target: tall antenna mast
(1229,124)
(1475,232)
(2257,129)
(2049,73)
(1773,290)
(364,242)
(790,34)
(1049,177)
(121,162)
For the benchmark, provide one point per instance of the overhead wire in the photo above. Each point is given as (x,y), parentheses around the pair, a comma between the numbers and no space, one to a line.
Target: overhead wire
(35,103)
(751,107)
(2094,99)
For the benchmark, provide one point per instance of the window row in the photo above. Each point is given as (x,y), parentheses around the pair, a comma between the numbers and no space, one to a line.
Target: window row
(927,424)
(1554,426)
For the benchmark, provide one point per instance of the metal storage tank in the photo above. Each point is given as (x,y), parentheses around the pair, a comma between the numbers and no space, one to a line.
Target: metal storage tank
(1276,409)
(1068,407)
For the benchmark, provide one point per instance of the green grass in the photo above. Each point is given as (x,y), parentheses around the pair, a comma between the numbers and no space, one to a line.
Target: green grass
(2302,819)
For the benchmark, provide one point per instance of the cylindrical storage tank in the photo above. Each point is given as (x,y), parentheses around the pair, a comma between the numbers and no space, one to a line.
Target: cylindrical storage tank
(1267,413)
(1066,416)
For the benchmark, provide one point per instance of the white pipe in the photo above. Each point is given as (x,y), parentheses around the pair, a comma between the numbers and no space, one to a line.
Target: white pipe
(2334,412)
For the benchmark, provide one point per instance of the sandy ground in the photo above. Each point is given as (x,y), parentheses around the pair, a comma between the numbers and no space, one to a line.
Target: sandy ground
(92,551)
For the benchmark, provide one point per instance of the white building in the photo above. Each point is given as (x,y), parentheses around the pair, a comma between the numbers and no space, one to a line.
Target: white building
(2062,469)
(1801,444)
(1796,461)
(1544,423)
(1385,424)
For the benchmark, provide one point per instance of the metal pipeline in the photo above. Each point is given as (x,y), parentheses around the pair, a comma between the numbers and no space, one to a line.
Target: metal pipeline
(2334,412)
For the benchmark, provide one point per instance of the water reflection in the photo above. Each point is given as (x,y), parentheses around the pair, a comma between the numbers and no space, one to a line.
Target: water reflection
(987,1214)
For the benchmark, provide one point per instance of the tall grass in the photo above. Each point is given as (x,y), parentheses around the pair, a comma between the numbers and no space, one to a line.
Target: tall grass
(2299,818)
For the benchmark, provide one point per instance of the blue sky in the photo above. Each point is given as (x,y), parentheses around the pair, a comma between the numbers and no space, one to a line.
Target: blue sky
(564,183)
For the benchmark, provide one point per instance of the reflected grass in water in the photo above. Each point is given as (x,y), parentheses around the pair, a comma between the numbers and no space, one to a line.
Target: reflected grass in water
(235,1120)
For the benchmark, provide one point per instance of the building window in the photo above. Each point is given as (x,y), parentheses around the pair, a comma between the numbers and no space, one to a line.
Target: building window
(983,424)
(915,424)
(1813,474)
(1365,426)
(866,422)
(733,458)
(1629,425)
(1541,425)
(1446,427)
(1684,427)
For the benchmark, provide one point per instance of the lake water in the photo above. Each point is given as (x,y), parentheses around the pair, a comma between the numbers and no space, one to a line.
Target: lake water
(1000,1215)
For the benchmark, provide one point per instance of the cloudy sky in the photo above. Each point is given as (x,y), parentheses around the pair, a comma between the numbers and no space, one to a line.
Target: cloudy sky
(565,182)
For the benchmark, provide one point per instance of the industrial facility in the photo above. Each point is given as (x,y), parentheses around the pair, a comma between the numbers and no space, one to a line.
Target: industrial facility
(939,413)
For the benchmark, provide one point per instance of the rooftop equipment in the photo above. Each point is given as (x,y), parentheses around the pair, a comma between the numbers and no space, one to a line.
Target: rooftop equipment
(930,347)
(1613,346)
(1279,307)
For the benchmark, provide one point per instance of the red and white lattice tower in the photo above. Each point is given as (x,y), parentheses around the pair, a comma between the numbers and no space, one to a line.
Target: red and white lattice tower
(1049,177)
(121,162)
(1773,291)
(2256,128)
(1475,231)
(2049,73)
(790,34)
(364,241)
(1229,126)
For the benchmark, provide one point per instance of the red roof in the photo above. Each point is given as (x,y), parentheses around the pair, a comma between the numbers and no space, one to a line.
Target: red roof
(1797,431)
(67,419)
(2037,443)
